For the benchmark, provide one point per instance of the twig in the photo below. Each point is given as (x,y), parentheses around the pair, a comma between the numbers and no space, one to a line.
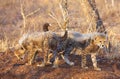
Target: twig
(24,17)
(33,12)
(64,10)
(51,14)
(63,6)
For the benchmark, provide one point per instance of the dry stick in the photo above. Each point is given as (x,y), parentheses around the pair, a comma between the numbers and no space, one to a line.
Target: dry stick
(90,27)
(63,7)
(106,6)
(90,15)
(24,19)
(35,11)
(99,23)
(113,3)
(64,10)
(51,14)
(25,16)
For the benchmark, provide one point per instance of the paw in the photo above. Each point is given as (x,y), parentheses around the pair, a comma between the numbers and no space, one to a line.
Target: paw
(97,68)
(41,65)
(84,67)
(49,63)
(55,66)
(28,64)
(71,64)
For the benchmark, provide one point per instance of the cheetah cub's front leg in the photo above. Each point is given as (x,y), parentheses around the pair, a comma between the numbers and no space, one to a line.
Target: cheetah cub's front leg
(94,61)
(83,63)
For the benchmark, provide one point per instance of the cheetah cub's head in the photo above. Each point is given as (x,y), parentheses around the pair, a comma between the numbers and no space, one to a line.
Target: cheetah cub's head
(100,40)
(19,52)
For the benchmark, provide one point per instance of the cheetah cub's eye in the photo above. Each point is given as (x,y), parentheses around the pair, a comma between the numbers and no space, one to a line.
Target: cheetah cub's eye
(21,48)
(100,41)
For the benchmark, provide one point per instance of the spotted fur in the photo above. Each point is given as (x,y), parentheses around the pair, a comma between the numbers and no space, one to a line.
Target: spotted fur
(43,41)
(84,42)
(92,47)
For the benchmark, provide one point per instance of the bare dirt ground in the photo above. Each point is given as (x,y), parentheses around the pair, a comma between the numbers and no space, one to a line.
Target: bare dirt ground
(12,68)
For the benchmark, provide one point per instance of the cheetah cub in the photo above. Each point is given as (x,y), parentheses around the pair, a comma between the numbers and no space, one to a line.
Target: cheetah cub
(92,47)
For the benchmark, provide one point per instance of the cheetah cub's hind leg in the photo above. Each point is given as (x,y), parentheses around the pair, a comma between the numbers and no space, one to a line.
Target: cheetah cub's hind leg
(65,55)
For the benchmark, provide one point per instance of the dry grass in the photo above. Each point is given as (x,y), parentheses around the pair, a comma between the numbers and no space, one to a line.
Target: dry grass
(12,25)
